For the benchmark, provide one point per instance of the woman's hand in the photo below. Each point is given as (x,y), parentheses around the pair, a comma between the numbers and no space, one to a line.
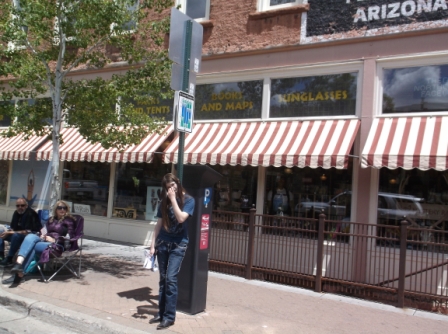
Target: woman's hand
(5,234)
(152,250)
(171,194)
(48,238)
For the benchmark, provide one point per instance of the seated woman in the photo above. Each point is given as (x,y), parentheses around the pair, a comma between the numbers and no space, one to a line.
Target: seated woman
(58,226)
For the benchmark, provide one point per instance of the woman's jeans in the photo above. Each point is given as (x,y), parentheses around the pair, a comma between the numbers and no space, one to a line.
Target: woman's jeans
(169,258)
(32,245)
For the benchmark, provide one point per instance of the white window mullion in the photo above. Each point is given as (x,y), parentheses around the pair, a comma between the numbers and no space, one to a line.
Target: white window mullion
(264,5)
(196,9)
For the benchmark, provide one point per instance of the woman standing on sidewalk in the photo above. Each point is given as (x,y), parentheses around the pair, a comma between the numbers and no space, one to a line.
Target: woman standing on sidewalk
(58,226)
(169,244)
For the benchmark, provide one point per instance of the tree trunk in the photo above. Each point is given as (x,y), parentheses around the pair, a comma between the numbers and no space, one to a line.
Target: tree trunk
(55,187)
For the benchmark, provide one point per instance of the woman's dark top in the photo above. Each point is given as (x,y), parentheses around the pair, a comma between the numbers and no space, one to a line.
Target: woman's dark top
(58,229)
(177,232)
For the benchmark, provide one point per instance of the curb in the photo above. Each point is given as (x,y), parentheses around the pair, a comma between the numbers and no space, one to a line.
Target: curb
(64,318)
(337,298)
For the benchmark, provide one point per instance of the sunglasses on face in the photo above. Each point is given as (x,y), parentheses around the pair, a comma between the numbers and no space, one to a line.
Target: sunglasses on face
(20,205)
(61,208)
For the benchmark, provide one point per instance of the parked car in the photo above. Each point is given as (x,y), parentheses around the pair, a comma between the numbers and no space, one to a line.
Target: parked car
(391,207)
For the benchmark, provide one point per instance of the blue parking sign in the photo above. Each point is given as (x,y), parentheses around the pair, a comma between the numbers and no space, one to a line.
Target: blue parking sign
(184,112)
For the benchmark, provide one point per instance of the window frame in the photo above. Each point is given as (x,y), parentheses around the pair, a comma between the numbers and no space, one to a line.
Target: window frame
(13,45)
(130,31)
(318,70)
(264,5)
(183,9)
(266,74)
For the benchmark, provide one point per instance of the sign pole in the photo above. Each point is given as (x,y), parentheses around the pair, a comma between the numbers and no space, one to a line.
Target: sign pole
(185,88)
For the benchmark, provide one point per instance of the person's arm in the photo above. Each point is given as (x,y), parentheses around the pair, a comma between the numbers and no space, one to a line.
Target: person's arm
(30,218)
(4,234)
(68,227)
(36,225)
(181,216)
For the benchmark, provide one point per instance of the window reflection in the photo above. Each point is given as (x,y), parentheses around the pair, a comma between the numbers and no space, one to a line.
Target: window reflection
(307,192)
(137,189)
(196,9)
(415,89)
(420,196)
(325,95)
(229,100)
(86,186)
(237,190)
(280,2)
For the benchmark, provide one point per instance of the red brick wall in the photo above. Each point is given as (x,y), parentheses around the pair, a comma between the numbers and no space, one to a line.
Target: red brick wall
(233,29)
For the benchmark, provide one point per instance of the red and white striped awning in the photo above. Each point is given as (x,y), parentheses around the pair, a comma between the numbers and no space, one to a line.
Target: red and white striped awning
(315,144)
(407,142)
(76,148)
(16,148)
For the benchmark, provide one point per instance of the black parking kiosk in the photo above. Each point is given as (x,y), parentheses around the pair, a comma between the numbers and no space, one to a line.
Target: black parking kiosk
(199,182)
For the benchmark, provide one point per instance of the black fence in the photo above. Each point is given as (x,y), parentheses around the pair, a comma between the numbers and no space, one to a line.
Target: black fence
(399,265)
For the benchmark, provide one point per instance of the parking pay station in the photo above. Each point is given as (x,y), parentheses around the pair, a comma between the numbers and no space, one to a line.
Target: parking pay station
(199,182)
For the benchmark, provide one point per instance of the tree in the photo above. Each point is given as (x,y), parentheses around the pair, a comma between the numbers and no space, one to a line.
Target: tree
(48,47)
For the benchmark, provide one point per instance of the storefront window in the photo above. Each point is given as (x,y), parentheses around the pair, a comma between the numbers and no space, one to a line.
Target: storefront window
(4,171)
(6,107)
(326,95)
(86,186)
(420,196)
(415,89)
(307,192)
(5,120)
(39,108)
(28,179)
(230,100)
(137,189)
(237,190)
(154,107)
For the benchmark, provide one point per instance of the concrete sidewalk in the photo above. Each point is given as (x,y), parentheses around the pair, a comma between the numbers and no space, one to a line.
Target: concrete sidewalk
(116,295)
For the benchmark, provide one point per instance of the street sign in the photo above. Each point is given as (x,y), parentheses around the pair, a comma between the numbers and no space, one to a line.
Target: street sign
(185,50)
(183,112)
(177,79)
(177,39)
(177,46)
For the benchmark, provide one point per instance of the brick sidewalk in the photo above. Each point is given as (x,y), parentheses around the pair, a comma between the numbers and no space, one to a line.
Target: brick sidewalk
(116,288)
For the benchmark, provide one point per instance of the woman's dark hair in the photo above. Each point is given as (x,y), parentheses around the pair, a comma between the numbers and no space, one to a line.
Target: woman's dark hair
(166,202)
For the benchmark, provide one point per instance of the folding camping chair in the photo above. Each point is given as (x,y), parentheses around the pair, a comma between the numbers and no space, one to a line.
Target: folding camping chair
(73,254)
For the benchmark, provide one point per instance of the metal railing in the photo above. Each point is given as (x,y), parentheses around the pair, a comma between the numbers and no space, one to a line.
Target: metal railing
(399,265)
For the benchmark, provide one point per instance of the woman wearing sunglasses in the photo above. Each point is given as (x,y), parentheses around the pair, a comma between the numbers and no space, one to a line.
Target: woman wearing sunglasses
(58,226)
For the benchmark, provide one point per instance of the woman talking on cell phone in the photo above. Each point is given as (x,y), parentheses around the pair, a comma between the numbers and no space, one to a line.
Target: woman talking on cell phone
(169,244)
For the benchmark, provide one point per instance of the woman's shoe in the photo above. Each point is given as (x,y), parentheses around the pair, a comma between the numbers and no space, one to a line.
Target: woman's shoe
(7,261)
(156,319)
(17,268)
(14,279)
(165,324)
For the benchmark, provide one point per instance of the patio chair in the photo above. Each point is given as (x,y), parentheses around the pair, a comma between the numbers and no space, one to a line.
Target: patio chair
(69,258)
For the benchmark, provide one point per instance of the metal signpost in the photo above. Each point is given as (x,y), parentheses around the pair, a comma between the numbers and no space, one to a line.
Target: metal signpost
(185,50)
